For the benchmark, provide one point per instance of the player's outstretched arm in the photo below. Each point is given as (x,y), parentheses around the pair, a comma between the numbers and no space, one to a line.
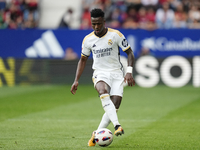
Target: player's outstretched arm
(79,71)
(129,77)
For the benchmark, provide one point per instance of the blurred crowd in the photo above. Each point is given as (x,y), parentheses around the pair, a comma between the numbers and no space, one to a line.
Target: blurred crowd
(145,14)
(19,14)
(127,14)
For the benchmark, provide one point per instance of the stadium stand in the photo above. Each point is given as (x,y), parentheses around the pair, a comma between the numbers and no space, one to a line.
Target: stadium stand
(19,14)
(128,14)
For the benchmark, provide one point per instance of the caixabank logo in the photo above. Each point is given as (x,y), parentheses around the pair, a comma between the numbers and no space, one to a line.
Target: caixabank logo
(163,44)
(45,47)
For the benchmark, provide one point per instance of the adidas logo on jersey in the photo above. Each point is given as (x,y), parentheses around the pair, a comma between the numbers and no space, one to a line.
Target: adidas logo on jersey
(94,45)
(45,47)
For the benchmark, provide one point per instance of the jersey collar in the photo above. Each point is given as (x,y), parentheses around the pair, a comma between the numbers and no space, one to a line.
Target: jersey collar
(103,34)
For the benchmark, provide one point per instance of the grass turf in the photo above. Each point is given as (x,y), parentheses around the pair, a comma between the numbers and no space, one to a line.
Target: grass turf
(50,117)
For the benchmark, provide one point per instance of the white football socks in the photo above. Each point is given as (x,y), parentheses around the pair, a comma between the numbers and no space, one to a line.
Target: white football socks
(110,111)
(105,121)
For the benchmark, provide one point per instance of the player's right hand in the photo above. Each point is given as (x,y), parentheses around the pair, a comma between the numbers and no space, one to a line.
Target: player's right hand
(74,87)
(129,79)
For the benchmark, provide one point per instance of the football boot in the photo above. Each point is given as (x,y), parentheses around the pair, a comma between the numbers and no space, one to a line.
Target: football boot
(92,142)
(118,130)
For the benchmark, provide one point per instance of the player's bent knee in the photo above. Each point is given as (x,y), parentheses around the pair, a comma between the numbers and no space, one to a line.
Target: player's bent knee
(102,88)
(101,92)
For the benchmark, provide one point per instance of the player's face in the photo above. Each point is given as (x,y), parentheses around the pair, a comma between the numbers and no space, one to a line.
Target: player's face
(98,24)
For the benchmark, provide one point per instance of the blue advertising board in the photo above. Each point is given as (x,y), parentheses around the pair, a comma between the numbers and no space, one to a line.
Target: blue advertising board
(53,43)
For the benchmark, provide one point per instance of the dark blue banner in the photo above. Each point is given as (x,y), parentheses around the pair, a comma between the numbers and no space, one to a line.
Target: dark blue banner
(54,43)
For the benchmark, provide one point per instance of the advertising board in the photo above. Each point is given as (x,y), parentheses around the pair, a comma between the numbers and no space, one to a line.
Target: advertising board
(54,43)
(173,71)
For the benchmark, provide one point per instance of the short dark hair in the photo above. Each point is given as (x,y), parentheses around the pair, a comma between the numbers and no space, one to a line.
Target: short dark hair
(96,12)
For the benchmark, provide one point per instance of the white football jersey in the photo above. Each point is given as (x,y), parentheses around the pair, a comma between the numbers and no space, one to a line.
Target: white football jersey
(105,49)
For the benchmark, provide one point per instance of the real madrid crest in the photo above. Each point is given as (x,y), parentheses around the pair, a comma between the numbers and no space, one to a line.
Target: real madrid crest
(110,42)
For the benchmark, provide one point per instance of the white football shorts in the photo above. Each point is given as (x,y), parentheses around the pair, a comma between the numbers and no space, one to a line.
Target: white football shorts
(114,79)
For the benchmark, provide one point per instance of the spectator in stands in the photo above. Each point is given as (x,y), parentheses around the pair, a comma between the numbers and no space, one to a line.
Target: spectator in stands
(150,14)
(86,19)
(132,13)
(2,24)
(194,14)
(118,15)
(150,25)
(142,18)
(12,14)
(31,16)
(19,23)
(131,21)
(70,54)
(194,17)
(165,16)
(67,19)
(109,7)
(180,17)
(121,5)
(30,21)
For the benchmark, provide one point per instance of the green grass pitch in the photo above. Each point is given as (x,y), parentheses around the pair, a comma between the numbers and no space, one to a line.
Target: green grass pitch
(51,118)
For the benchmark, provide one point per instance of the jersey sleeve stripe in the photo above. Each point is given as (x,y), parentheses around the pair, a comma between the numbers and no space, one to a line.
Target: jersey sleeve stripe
(84,55)
(126,49)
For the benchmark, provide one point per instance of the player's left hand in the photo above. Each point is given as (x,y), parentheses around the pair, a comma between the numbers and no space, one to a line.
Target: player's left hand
(129,79)
(74,87)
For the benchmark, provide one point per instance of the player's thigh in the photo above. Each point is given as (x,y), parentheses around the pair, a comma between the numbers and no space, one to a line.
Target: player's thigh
(101,81)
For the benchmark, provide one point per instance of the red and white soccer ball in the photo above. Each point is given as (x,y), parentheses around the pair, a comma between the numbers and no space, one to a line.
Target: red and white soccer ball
(103,137)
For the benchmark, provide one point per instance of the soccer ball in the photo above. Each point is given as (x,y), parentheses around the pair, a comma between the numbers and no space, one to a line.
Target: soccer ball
(103,137)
